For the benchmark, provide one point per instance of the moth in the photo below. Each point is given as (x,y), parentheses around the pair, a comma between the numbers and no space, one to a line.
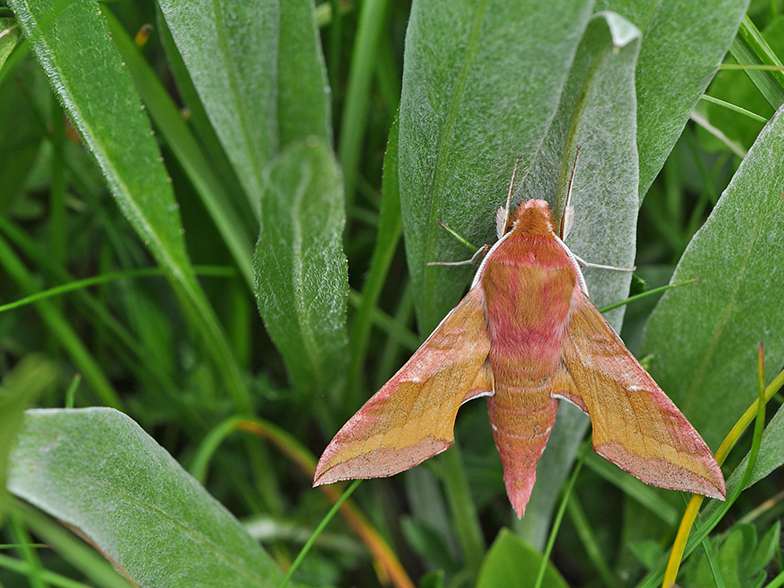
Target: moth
(525,336)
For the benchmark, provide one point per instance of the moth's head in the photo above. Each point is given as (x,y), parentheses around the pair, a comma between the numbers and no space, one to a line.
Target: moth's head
(533,217)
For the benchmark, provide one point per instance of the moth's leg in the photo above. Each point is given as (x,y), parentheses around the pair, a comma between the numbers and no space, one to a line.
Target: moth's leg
(476,258)
(584,263)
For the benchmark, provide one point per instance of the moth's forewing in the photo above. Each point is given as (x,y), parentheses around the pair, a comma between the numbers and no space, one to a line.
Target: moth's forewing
(412,417)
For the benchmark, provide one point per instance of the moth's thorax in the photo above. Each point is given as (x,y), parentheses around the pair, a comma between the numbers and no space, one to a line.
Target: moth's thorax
(528,284)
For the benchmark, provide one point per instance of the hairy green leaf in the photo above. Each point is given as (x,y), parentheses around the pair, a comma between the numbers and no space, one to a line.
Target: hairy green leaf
(301,271)
(229,47)
(706,337)
(99,471)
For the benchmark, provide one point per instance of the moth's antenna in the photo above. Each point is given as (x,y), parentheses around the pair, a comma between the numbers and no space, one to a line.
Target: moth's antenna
(567,217)
(505,226)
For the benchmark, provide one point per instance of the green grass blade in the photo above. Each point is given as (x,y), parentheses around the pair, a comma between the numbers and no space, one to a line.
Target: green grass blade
(98,93)
(363,60)
(750,48)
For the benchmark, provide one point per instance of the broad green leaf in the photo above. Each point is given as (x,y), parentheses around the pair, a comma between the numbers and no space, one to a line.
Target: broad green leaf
(96,470)
(200,122)
(706,337)
(304,108)
(596,115)
(229,48)
(301,271)
(683,43)
(31,376)
(72,44)
(481,84)
(511,562)
(10,31)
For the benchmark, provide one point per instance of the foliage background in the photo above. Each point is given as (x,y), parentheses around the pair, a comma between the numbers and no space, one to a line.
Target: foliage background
(233,125)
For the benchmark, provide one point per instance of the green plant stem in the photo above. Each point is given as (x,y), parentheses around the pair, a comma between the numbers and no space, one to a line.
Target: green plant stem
(710,556)
(83,557)
(372,17)
(386,323)
(591,545)
(682,547)
(733,107)
(321,526)
(70,394)
(22,539)
(206,270)
(647,293)
(567,492)
(62,330)
(390,228)
(461,503)
(26,568)
(750,49)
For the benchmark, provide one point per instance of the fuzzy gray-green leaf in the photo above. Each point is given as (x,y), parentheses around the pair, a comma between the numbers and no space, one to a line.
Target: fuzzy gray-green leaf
(683,43)
(705,337)
(301,271)
(230,49)
(97,470)
(481,83)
